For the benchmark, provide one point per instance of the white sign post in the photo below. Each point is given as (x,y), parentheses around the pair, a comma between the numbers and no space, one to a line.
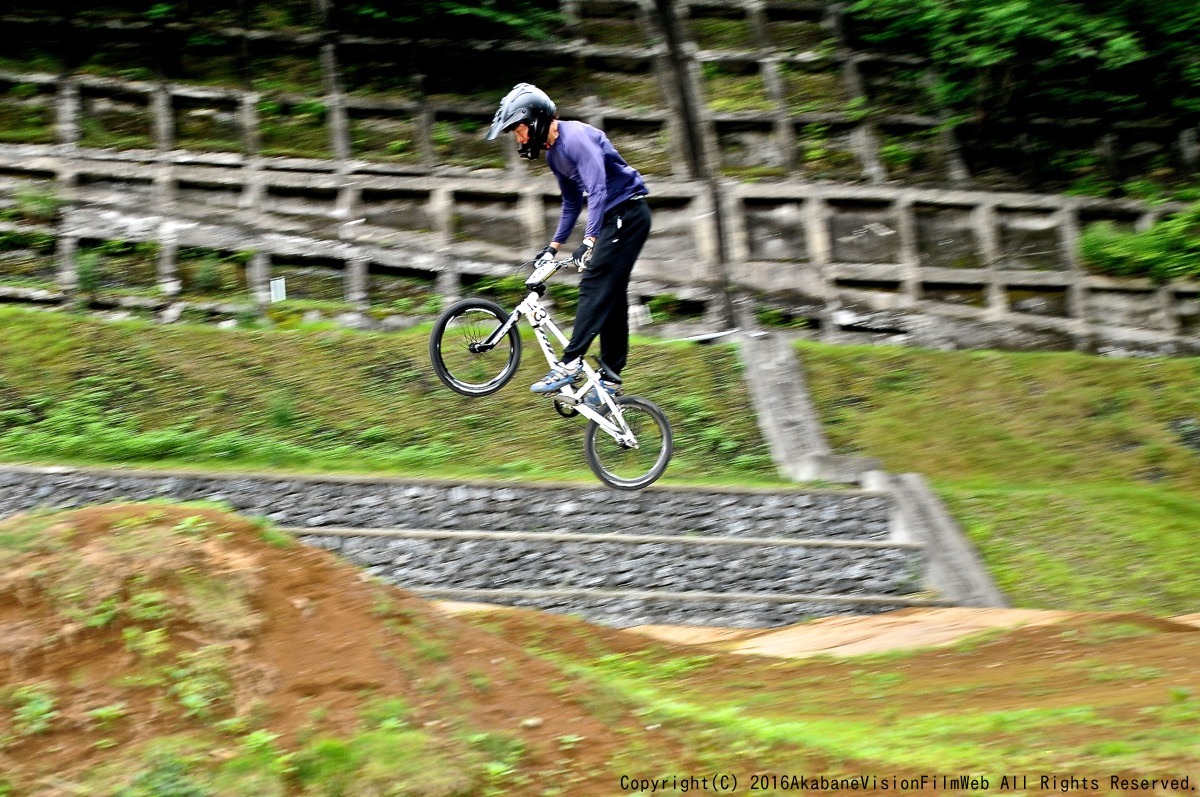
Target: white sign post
(278,290)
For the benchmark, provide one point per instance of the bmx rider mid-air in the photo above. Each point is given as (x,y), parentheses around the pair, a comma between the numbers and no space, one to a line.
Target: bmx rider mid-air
(587,166)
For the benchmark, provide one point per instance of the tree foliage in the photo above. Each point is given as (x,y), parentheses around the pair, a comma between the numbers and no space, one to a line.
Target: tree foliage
(536,19)
(1021,59)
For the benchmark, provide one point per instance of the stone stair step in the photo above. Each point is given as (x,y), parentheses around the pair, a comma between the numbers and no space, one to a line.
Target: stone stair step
(629,539)
(371,502)
(474,560)
(690,556)
(627,608)
(489,596)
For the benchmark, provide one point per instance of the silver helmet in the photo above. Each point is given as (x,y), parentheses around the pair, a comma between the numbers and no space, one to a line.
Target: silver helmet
(525,104)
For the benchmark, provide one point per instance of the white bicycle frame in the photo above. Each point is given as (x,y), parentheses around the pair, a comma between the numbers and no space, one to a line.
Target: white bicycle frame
(539,318)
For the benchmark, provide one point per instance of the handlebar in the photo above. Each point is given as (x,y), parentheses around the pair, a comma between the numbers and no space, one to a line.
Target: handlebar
(545,271)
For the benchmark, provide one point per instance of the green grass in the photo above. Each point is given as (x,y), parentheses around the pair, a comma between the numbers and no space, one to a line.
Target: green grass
(730,91)
(1077,477)
(926,710)
(1094,546)
(81,391)
(1099,696)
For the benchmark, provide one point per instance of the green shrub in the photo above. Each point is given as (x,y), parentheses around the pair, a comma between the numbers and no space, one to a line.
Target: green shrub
(535,19)
(37,205)
(669,307)
(33,710)
(166,776)
(774,317)
(1169,250)
(89,272)
(209,278)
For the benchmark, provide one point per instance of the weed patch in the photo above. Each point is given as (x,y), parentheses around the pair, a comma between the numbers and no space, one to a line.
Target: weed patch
(88,392)
(1068,471)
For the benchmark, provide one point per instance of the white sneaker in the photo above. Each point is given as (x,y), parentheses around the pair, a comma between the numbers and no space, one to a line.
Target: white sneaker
(560,376)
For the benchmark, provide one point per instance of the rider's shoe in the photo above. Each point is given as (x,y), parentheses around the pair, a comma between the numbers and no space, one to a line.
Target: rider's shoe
(593,400)
(559,377)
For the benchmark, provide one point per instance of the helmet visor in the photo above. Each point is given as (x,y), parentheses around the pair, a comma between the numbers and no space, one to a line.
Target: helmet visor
(506,119)
(496,130)
(501,126)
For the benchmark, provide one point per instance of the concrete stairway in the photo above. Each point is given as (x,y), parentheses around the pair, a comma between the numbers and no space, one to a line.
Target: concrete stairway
(743,558)
(635,579)
(792,428)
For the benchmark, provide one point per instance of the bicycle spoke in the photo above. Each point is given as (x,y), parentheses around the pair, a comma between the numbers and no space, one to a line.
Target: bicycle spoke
(457,358)
(465,365)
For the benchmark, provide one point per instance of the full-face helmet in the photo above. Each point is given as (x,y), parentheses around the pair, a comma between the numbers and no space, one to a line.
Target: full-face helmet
(525,104)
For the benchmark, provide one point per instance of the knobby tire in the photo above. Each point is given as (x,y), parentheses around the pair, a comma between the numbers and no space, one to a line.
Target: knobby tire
(463,371)
(631,469)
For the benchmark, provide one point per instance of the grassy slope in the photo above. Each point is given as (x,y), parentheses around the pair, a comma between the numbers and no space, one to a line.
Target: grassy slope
(79,390)
(1078,477)
(992,704)
(157,649)
(1073,474)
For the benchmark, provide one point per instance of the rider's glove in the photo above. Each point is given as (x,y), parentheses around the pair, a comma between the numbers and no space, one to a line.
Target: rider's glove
(582,255)
(546,254)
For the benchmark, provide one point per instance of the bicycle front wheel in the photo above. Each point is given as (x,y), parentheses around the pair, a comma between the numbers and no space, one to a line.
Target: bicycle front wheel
(624,467)
(456,353)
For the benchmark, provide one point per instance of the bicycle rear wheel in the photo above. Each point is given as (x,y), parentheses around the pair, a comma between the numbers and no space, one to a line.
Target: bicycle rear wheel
(631,468)
(454,348)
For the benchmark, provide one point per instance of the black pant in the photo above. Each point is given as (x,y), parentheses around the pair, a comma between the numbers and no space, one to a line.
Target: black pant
(603,291)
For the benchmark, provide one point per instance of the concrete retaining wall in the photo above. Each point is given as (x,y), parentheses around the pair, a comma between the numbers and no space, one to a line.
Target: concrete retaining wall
(378,197)
(314,502)
(626,609)
(599,562)
(723,557)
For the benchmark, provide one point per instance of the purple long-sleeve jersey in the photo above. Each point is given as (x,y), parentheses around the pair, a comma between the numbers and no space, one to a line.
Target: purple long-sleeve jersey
(586,163)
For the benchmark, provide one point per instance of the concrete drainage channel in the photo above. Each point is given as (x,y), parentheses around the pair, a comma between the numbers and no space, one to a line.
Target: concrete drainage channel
(790,424)
(739,558)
